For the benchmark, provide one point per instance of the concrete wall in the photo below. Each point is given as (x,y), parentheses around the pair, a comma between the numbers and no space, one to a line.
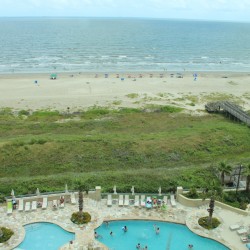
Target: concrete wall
(199,202)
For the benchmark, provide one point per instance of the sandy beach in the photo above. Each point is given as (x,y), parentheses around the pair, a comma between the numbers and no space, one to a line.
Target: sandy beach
(81,90)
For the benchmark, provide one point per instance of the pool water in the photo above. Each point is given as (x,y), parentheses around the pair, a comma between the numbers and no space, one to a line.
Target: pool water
(172,236)
(45,236)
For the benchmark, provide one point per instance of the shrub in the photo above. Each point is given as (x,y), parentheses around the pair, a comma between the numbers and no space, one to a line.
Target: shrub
(80,217)
(204,222)
(7,233)
(24,112)
(192,193)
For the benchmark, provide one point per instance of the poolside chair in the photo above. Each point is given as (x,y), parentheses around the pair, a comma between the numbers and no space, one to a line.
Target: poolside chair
(33,205)
(172,200)
(45,202)
(242,231)
(126,200)
(245,239)
(143,200)
(165,200)
(136,204)
(54,204)
(120,202)
(234,227)
(61,202)
(73,199)
(27,206)
(109,200)
(20,205)
(149,202)
(9,207)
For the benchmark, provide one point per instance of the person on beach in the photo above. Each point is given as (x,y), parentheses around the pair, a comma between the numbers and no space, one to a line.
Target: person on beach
(111,233)
(157,231)
(125,229)
(190,246)
(106,223)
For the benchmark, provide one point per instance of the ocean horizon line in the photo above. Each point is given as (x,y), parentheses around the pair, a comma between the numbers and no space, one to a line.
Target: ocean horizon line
(129,17)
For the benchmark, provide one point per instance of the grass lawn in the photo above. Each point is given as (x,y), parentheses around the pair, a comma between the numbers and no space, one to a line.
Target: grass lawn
(104,147)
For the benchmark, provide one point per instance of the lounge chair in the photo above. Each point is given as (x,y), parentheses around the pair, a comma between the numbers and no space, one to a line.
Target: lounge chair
(20,205)
(109,200)
(61,202)
(73,199)
(9,207)
(45,202)
(172,200)
(149,202)
(245,239)
(54,204)
(143,200)
(165,200)
(136,204)
(27,206)
(33,205)
(234,227)
(126,200)
(242,231)
(120,202)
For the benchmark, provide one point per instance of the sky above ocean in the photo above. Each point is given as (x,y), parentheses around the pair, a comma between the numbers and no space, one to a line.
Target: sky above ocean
(234,10)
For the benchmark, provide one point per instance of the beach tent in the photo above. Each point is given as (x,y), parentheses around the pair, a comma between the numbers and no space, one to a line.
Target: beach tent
(53,76)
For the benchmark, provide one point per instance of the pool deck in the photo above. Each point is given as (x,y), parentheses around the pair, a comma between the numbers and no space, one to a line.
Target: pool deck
(84,236)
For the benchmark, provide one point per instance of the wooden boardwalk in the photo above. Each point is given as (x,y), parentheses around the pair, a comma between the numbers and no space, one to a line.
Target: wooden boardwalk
(230,109)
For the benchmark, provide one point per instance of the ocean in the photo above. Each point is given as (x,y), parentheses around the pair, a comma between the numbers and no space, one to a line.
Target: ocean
(39,45)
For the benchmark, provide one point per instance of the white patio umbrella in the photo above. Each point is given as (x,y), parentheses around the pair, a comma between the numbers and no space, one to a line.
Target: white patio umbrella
(133,190)
(159,190)
(37,192)
(114,189)
(66,188)
(12,193)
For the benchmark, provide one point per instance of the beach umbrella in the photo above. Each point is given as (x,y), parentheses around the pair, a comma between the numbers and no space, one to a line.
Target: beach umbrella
(12,193)
(53,76)
(159,190)
(133,190)
(37,192)
(114,189)
(66,188)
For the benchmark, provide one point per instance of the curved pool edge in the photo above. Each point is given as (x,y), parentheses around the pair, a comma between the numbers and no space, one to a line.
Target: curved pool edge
(197,229)
(221,241)
(21,239)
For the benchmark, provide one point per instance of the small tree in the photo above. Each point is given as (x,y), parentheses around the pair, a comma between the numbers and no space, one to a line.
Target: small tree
(81,217)
(224,169)
(211,190)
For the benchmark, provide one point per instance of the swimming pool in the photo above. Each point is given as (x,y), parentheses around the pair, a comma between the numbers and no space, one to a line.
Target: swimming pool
(172,236)
(44,236)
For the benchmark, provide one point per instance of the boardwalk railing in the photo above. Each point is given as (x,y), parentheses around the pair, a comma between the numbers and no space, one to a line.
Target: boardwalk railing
(230,109)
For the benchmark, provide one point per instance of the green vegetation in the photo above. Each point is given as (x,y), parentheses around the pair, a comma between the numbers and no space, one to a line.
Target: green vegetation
(5,235)
(80,218)
(159,146)
(204,222)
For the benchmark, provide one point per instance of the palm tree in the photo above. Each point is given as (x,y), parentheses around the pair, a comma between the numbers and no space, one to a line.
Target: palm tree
(246,172)
(212,190)
(80,188)
(224,169)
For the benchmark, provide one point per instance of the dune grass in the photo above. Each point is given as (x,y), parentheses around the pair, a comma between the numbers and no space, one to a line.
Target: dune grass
(122,147)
